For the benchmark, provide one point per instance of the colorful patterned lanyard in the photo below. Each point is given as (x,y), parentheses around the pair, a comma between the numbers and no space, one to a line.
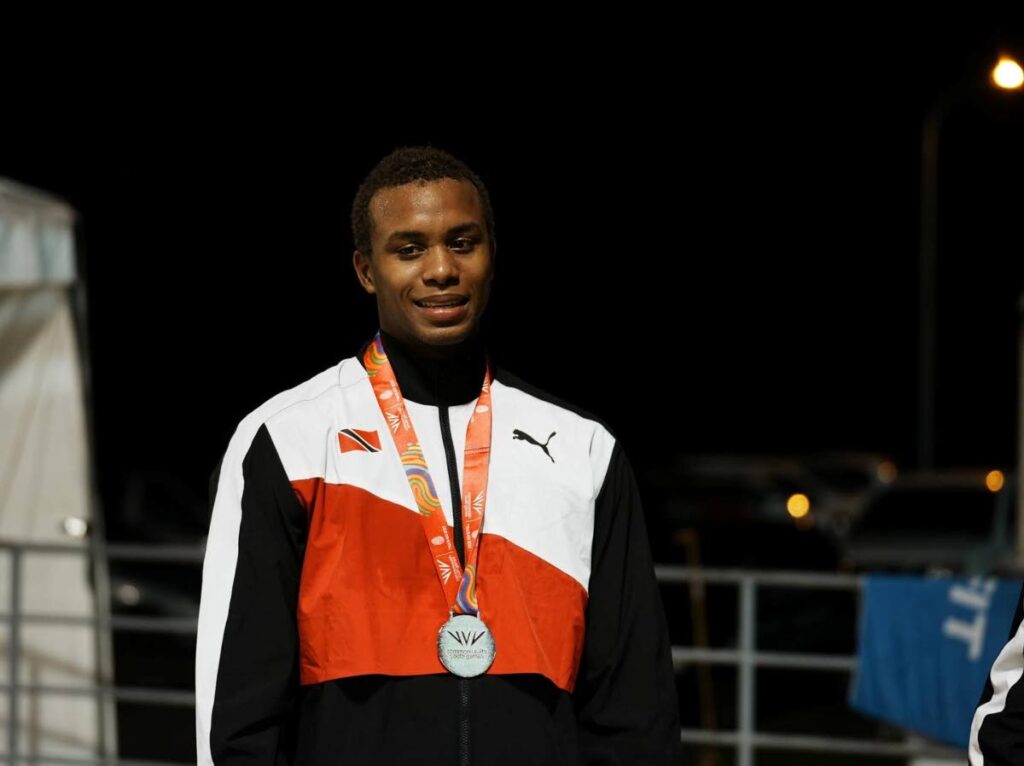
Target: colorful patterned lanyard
(460,592)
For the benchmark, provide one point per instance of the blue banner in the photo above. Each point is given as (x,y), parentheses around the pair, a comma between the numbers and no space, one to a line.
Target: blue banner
(926,645)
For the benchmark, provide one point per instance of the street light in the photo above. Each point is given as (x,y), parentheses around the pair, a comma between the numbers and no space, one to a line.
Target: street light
(1005,74)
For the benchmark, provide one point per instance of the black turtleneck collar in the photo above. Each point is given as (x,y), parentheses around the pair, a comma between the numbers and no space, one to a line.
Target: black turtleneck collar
(437,382)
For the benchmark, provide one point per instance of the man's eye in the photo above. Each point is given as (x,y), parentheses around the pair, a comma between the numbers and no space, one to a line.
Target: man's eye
(463,243)
(407,250)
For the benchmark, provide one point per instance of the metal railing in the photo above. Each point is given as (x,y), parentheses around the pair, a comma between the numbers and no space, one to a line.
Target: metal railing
(102,622)
(745,657)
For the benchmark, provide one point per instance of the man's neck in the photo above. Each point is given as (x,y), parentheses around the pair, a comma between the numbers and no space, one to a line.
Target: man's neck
(453,375)
(427,351)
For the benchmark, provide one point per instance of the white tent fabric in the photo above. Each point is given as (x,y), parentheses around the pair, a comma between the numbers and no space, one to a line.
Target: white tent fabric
(36,238)
(44,475)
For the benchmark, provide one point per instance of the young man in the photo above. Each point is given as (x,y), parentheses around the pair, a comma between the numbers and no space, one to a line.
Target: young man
(417,558)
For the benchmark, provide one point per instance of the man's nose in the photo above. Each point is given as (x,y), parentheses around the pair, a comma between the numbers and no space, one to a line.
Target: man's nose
(441,264)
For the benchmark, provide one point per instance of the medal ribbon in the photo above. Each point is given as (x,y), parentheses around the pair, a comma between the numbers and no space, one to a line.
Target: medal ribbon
(459,587)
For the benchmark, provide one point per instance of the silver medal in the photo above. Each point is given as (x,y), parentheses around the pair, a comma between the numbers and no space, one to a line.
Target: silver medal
(465,645)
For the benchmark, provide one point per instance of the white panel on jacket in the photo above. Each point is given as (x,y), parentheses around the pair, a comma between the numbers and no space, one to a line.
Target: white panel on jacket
(544,502)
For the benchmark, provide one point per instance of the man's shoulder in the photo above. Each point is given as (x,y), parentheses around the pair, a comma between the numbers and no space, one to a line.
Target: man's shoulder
(542,397)
(297,402)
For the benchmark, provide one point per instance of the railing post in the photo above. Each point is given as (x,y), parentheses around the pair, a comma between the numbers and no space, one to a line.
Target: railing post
(13,651)
(746,681)
(106,706)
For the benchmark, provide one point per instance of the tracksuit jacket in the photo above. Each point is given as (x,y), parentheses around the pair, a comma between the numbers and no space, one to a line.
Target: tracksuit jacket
(321,605)
(997,729)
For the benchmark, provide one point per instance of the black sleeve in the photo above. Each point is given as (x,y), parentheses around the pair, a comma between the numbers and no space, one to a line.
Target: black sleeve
(997,731)
(247,656)
(625,695)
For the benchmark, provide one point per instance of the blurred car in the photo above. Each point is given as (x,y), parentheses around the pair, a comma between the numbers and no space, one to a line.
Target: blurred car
(846,480)
(835,484)
(743,511)
(960,521)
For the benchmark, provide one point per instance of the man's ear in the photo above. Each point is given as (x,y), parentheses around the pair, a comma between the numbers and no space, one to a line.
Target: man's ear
(364,272)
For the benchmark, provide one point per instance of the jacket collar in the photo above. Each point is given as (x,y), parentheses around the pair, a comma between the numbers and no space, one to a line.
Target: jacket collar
(436,382)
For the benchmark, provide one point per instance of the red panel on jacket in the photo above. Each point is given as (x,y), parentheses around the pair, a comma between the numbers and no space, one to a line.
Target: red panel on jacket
(370,601)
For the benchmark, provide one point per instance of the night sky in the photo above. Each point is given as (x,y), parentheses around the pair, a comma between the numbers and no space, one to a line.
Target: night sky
(712,246)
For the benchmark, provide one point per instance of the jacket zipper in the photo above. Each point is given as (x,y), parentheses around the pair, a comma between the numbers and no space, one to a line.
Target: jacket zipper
(463,722)
(453,478)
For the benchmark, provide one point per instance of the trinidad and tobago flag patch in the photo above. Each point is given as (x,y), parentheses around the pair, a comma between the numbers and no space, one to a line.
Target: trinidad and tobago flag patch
(354,440)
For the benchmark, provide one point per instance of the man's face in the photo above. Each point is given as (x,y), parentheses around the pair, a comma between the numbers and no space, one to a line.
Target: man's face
(430,246)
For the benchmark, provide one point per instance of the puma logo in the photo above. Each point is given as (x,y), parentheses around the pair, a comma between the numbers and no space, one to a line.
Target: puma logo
(517,434)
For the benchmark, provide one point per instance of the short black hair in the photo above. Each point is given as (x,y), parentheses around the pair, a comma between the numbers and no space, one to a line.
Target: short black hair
(405,165)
